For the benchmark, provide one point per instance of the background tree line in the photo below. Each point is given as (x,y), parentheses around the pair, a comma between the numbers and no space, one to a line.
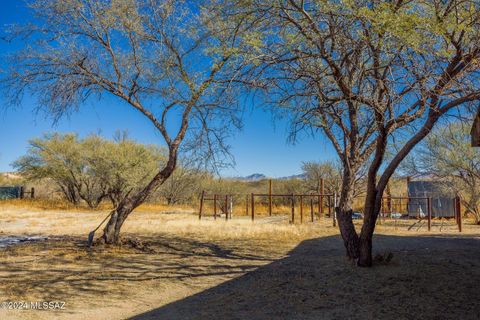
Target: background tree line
(92,170)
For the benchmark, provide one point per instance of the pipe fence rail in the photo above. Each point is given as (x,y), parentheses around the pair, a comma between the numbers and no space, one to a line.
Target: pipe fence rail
(418,208)
(222,202)
(320,198)
(324,203)
(399,210)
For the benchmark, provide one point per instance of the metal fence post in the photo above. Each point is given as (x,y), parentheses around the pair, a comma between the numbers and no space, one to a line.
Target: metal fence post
(301,208)
(311,209)
(458,213)
(334,211)
(201,205)
(270,198)
(322,191)
(226,207)
(429,209)
(320,198)
(253,207)
(293,208)
(215,206)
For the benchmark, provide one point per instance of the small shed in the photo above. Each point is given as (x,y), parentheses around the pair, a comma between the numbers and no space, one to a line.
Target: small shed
(476,130)
(443,206)
(10,193)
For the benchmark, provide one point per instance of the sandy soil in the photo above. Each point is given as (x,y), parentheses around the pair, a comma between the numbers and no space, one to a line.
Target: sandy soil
(180,268)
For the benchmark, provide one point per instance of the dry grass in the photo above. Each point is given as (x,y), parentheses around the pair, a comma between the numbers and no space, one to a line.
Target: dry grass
(146,221)
(182,256)
(51,204)
(177,256)
(48,204)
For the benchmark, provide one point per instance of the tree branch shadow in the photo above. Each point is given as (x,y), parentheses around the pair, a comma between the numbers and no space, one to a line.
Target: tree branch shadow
(430,277)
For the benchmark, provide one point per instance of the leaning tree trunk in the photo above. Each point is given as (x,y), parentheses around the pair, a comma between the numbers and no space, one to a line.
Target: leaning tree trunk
(111,232)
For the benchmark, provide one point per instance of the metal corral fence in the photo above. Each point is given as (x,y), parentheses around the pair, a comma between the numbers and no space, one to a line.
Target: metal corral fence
(313,205)
(402,210)
(300,200)
(17,192)
(411,212)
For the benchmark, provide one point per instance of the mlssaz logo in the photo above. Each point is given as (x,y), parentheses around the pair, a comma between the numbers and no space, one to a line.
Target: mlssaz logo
(47,305)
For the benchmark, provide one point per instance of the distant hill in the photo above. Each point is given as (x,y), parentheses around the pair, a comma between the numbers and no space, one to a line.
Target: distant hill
(261,176)
(299,176)
(8,179)
(252,177)
(10,175)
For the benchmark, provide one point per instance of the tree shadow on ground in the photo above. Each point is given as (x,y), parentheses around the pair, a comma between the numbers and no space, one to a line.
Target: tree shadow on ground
(430,277)
(63,269)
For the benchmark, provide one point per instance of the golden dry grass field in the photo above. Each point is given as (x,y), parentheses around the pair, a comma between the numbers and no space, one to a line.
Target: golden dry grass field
(177,267)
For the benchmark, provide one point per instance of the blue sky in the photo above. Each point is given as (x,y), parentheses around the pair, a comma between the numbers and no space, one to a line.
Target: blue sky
(260,147)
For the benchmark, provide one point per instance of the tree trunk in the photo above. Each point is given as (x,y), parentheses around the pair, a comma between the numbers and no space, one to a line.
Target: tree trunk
(111,232)
(344,216)
(360,247)
(365,244)
(373,203)
(348,233)
(365,252)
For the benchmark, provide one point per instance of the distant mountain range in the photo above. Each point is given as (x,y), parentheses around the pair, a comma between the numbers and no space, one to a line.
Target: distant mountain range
(10,175)
(261,176)
(252,177)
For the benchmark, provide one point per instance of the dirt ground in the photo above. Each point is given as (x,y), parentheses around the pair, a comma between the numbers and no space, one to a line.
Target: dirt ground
(176,267)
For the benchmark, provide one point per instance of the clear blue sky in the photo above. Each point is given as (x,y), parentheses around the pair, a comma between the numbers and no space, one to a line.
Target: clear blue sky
(260,147)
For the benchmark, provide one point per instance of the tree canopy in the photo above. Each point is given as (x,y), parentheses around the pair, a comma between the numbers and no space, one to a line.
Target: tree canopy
(91,169)
(171,61)
(364,73)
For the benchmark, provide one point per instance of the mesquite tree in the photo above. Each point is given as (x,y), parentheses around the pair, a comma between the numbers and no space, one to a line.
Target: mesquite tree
(365,72)
(331,173)
(183,185)
(167,59)
(58,158)
(63,159)
(91,169)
